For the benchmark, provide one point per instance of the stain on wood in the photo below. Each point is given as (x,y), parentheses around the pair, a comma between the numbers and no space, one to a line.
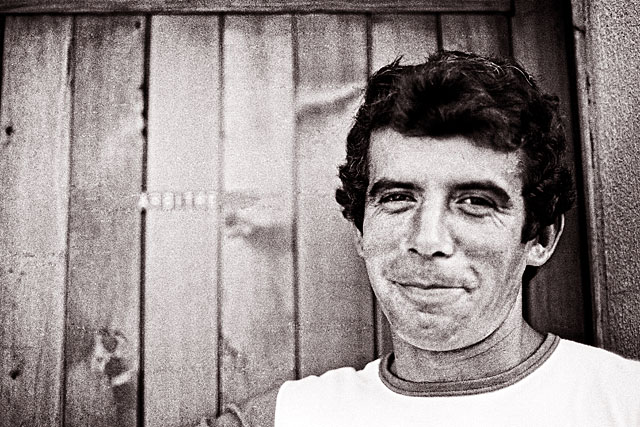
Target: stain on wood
(104,223)
(34,167)
(181,334)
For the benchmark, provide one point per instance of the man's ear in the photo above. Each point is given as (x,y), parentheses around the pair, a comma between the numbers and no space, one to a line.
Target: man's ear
(357,238)
(545,244)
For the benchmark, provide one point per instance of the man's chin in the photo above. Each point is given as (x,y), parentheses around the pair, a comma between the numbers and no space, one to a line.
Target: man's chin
(441,340)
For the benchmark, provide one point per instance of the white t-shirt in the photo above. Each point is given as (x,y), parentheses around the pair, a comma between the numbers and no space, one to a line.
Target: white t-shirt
(562,384)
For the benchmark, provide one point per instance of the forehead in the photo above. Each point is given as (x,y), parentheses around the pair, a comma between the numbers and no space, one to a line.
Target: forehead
(449,159)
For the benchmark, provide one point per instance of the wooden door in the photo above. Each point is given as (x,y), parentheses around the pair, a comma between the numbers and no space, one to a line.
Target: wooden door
(170,243)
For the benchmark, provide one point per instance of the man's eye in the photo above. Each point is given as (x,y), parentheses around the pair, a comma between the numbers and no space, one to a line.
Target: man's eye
(477,206)
(396,198)
(477,201)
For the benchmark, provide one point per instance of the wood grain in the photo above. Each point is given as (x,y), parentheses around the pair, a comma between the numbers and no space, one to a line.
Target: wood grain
(557,300)
(181,334)
(335,301)
(104,226)
(608,41)
(483,34)
(257,259)
(190,6)
(594,236)
(415,38)
(34,168)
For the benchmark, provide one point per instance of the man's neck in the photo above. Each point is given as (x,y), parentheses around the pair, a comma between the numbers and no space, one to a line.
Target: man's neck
(505,348)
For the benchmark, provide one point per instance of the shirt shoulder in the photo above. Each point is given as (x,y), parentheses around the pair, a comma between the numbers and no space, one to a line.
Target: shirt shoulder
(594,359)
(596,380)
(300,399)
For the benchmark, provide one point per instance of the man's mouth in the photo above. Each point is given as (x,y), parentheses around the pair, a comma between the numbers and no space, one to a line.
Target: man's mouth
(426,285)
(403,272)
(431,296)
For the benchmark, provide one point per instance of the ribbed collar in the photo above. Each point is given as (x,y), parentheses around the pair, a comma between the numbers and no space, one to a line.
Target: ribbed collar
(467,387)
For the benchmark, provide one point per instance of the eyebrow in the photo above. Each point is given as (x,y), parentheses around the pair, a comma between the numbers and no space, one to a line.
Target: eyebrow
(384,184)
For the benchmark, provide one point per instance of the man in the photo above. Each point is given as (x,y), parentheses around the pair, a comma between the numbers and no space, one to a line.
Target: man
(455,183)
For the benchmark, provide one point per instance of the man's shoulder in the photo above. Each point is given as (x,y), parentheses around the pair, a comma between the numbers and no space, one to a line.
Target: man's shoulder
(596,363)
(591,354)
(330,398)
(335,379)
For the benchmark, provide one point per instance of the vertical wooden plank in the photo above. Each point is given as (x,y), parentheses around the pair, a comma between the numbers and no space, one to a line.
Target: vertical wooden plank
(257,261)
(612,37)
(104,226)
(595,261)
(412,36)
(607,41)
(181,251)
(556,297)
(483,34)
(34,165)
(415,37)
(335,303)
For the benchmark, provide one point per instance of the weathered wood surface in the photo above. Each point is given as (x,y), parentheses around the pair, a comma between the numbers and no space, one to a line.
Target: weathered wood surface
(414,37)
(335,301)
(286,253)
(257,301)
(483,34)
(104,224)
(555,299)
(610,36)
(181,335)
(34,167)
(594,236)
(190,6)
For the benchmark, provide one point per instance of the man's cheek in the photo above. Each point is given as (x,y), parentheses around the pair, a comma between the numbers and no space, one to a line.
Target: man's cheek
(380,241)
(482,240)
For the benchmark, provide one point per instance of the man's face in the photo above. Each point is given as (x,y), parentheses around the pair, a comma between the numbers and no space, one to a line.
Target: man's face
(441,237)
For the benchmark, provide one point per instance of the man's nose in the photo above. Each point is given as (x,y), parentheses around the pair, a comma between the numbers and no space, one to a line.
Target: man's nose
(429,234)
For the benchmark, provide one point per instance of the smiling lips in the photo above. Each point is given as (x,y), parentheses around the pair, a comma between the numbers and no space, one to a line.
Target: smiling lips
(425,278)
(428,285)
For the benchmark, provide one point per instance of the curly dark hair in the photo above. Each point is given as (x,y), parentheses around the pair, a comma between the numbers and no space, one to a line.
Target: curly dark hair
(492,101)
